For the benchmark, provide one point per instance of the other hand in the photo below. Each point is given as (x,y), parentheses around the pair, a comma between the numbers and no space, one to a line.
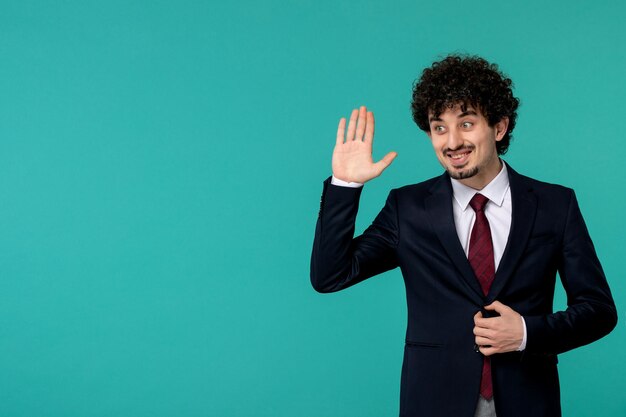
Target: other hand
(352,158)
(498,334)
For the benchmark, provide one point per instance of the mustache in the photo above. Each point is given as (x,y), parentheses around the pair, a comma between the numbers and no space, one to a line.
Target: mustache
(460,148)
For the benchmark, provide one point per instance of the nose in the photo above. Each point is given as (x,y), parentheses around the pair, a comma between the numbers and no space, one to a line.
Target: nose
(455,141)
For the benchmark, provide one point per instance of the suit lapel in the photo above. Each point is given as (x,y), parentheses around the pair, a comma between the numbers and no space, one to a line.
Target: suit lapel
(439,208)
(524,209)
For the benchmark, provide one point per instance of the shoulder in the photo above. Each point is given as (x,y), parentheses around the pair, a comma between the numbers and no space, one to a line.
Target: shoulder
(414,198)
(424,187)
(542,189)
(544,186)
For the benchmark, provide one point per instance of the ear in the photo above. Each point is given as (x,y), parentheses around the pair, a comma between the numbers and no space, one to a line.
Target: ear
(501,128)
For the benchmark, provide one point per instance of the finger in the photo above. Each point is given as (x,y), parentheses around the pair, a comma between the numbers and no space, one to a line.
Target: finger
(483,341)
(385,162)
(369,128)
(482,332)
(352,125)
(484,323)
(341,130)
(360,125)
(488,351)
(498,307)
(478,316)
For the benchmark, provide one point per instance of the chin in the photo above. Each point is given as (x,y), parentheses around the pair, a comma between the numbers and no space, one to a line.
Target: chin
(462,174)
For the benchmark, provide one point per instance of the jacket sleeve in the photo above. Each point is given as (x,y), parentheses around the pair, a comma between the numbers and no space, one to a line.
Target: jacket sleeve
(338,259)
(590,312)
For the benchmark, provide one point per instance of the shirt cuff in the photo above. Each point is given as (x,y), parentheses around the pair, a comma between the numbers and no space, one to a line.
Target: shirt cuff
(523,345)
(342,183)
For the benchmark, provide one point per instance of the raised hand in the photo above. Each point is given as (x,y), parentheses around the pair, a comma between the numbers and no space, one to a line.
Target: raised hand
(352,158)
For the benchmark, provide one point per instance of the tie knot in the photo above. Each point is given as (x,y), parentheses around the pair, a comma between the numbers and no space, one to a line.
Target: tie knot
(478,202)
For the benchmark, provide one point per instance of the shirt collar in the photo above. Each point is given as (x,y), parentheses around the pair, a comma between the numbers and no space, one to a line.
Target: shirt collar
(494,191)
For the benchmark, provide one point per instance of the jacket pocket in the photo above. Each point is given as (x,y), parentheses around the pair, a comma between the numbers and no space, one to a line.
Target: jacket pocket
(423,345)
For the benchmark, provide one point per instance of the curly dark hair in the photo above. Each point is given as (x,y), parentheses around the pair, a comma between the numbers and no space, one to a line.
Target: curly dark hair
(466,80)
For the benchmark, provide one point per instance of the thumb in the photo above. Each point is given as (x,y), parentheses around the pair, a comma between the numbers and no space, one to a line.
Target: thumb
(385,162)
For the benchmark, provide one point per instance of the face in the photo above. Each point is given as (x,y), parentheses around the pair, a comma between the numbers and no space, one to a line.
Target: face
(465,144)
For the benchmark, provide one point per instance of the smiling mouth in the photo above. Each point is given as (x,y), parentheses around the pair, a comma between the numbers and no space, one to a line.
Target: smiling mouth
(459,157)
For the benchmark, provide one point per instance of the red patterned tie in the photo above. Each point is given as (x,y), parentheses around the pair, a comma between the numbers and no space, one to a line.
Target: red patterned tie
(481,259)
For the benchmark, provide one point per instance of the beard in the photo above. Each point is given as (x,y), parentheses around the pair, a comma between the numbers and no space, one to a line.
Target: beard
(456,173)
(460,175)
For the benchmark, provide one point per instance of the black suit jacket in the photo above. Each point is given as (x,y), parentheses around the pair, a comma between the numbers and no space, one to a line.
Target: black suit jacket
(415,231)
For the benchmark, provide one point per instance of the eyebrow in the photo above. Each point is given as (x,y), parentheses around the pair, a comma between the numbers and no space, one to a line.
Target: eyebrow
(468,112)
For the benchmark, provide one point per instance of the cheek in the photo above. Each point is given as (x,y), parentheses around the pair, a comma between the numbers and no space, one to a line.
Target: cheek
(438,152)
(437,144)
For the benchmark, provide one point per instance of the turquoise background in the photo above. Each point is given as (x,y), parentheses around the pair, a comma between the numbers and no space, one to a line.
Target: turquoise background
(160,171)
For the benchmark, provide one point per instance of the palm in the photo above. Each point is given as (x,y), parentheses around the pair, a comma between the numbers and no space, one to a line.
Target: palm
(352,158)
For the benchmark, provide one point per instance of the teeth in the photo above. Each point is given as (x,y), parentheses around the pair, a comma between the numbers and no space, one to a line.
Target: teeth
(459,156)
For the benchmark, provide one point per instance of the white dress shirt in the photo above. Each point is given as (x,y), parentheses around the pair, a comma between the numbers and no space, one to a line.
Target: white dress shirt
(497,211)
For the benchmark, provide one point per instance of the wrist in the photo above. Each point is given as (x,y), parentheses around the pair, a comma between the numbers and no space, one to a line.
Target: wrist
(342,183)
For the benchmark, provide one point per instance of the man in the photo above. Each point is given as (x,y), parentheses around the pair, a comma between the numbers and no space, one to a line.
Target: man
(479,248)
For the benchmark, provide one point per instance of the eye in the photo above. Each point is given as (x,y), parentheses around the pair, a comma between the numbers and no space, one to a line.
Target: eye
(439,129)
(467,125)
